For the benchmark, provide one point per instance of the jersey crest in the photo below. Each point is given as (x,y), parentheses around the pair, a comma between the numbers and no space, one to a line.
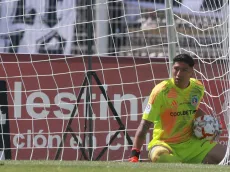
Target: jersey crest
(194,100)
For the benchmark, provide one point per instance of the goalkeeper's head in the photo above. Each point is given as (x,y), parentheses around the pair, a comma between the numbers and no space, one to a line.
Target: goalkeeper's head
(185,58)
(182,70)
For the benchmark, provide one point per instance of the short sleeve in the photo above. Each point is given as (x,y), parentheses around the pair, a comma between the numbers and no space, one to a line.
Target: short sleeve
(152,110)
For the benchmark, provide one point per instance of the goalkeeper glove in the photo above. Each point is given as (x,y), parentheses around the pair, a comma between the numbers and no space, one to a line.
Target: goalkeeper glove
(134,155)
(218,131)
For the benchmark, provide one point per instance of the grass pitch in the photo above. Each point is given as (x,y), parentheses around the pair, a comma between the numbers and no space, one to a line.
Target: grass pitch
(100,166)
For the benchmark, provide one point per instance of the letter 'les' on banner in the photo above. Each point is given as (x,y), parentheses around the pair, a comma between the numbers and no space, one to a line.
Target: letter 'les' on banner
(5,152)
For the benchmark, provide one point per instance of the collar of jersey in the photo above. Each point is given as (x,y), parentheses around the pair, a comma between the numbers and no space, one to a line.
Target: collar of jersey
(179,89)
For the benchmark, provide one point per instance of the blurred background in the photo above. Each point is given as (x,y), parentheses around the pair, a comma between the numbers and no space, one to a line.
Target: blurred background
(135,28)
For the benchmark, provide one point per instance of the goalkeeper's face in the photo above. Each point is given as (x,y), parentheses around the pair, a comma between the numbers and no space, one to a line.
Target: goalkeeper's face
(182,73)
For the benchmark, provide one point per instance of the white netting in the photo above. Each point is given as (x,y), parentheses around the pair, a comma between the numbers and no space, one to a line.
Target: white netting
(48,46)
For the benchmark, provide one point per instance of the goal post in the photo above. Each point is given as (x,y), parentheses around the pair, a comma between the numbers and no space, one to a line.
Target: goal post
(171,33)
(226,48)
(49,47)
(5,152)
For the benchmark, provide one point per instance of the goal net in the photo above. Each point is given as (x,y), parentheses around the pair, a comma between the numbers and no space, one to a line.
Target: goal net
(76,74)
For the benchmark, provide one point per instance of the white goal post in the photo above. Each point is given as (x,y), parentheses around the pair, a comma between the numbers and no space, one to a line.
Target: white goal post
(76,74)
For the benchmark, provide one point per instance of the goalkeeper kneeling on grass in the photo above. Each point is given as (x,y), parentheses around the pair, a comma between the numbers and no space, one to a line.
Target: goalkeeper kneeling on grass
(173,105)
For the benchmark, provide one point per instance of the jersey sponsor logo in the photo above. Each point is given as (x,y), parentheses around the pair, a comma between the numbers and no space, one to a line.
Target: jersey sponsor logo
(148,108)
(182,113)
(194,100)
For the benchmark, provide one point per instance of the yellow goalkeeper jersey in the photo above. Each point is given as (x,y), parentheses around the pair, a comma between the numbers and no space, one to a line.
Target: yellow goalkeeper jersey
(172,110)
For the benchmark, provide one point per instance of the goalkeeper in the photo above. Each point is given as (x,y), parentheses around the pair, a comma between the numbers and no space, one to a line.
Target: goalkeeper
(171,108)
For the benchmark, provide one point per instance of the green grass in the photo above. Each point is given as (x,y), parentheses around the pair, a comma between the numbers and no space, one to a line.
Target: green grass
(99,166)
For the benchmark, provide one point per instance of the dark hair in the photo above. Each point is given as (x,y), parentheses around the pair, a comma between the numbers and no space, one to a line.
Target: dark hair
(184,58)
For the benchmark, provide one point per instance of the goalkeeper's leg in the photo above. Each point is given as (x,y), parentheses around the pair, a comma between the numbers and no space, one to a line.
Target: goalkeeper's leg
(162,154)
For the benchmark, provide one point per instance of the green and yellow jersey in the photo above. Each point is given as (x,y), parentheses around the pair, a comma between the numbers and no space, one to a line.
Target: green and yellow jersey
(172,111)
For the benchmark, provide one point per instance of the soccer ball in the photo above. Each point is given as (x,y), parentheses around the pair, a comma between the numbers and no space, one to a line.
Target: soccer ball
(205,127)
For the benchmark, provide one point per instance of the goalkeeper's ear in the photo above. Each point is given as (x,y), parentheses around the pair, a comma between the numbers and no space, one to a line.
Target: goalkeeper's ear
(192,73)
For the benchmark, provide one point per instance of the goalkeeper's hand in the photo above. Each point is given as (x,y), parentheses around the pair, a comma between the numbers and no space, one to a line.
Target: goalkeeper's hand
(135,153)
(218,132)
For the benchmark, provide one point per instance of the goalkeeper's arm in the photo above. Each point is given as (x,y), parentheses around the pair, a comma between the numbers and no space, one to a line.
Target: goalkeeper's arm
(139,139)
(199,112)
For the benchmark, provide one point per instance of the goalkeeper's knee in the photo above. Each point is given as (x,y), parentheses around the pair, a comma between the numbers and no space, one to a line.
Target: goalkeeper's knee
(156,152)
(162,154)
